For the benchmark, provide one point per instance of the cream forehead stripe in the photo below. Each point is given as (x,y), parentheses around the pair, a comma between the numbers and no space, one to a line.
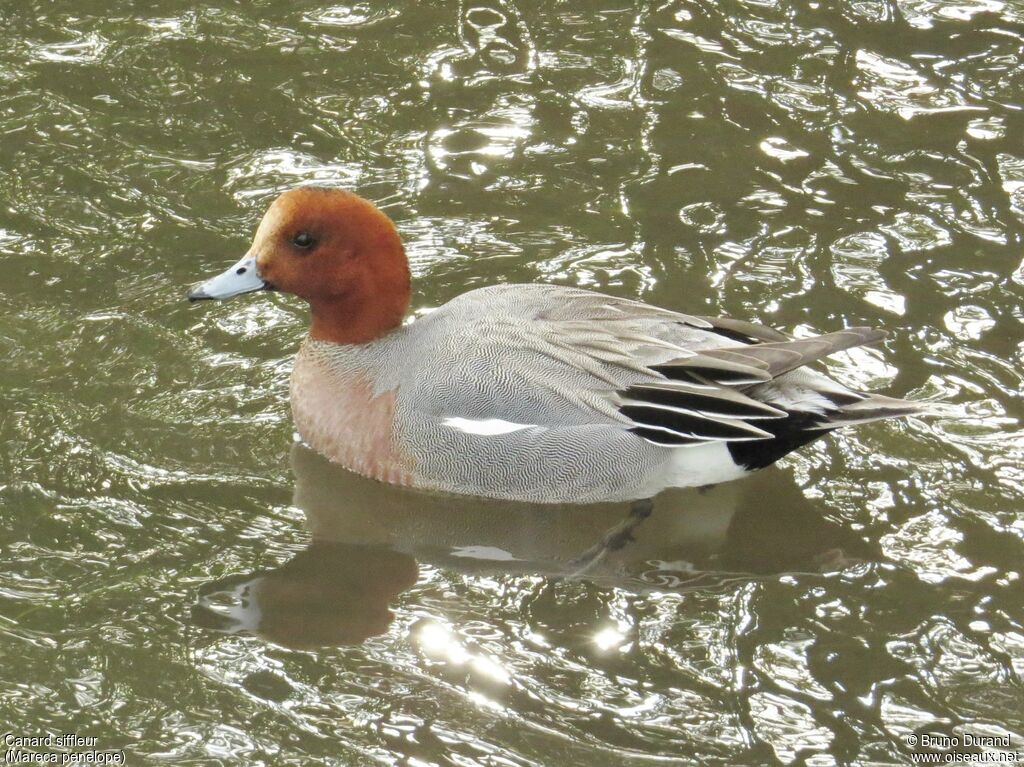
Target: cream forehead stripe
(272,221)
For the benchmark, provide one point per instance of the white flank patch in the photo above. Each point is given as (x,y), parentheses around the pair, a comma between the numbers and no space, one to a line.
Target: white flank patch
(697,465)
(489,427)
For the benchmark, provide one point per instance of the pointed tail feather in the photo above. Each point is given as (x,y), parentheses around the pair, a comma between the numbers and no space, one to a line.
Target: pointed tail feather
(798,429)
(874,407)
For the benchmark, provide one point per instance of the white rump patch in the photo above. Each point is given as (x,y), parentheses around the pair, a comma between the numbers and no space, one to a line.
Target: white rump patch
(489,427)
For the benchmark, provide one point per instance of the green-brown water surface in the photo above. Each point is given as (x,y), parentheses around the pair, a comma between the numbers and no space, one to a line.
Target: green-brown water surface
(180,582)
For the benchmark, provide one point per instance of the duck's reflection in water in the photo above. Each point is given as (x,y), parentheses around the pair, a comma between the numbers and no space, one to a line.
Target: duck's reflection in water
(367,538)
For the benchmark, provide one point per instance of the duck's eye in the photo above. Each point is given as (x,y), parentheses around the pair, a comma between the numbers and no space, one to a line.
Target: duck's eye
(303,240)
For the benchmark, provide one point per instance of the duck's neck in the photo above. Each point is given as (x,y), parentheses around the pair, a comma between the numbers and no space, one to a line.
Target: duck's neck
(373,306)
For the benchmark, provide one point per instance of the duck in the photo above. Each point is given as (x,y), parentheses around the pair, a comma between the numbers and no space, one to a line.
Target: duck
(538,393)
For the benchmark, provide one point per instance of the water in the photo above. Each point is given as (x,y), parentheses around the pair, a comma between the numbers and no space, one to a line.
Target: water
(181,583)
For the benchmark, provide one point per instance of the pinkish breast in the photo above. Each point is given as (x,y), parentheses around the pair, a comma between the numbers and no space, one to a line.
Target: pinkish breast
(338,415)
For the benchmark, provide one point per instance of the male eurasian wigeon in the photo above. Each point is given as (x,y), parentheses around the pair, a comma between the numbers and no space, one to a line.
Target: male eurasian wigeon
(537,393)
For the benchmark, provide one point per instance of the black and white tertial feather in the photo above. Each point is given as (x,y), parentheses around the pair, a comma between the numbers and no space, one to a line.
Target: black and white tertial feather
(741,396)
